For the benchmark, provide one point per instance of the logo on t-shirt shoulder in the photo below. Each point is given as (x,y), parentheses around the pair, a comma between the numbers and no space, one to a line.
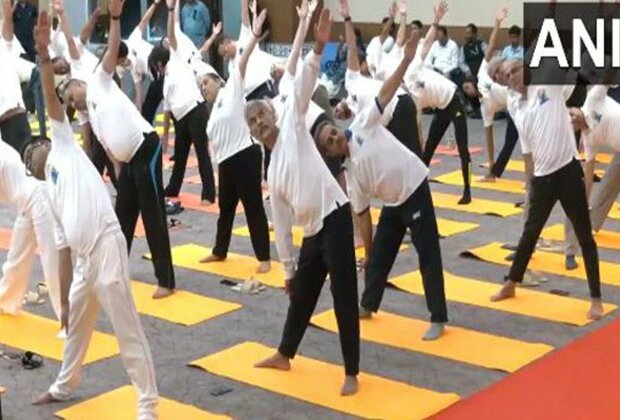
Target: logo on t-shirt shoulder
(283,98)
(354,98)
(420,84)
(360,141)
(597,117)
(54,175)
(542,96)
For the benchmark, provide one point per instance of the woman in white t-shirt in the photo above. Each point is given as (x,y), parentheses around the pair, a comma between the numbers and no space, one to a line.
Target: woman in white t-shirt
(238,158)
(433,90)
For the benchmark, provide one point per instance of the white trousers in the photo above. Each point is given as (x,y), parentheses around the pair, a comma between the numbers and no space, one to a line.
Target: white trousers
(101,280)
(33,226)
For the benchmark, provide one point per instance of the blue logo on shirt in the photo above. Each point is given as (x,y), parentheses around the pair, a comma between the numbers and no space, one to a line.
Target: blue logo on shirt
(54,175)
(542,96)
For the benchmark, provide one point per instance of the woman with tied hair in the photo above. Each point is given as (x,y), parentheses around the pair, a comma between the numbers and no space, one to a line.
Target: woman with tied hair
(238,158)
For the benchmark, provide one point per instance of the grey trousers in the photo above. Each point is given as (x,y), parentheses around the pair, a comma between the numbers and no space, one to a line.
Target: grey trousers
(601,201)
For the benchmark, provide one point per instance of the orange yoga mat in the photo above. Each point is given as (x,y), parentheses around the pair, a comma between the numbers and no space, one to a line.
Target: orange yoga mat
(192,202)
(5,238)
(453,151)
(579,381)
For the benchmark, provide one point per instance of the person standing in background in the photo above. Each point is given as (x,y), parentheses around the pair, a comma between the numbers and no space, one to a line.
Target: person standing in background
(24,19)
(196,21)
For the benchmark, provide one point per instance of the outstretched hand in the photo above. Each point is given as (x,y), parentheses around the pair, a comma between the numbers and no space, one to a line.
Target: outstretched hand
(323,28)
(171,4)
(303,10)
(502,14)
(116,7)
(393,10)
(411,45)
(259,21)
(216,29)
(345,9)
(59,7)
(440,10)
(42,35)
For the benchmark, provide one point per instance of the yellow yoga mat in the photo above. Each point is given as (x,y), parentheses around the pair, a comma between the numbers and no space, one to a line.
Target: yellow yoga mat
(319,383)
(236,266)
(298,236)
(459,344)
(446,227)
(614,213)
(34,333)
(527,302)
(519,166)
(182,307)
(604,238)
(501,184)
(121,404)
(477,205)
(546,262)
(600,157)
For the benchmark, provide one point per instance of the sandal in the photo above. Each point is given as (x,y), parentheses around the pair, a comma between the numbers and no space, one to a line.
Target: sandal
(31,361)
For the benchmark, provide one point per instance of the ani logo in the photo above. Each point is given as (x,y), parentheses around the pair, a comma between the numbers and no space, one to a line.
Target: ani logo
(542,96)
(359,140)
(54,175)
(488,86)
(419,84)
(354,98)
(283,98)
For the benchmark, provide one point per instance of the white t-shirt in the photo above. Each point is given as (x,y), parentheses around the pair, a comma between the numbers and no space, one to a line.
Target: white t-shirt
(428,88)
(10,91)
(181,92)
(189,52)
(80,201)
(15,186)
(602,115)
(494,96)
(227,127)
(375,48)
(115,120)
(139,51)
(287,88)
(24,70)
(378,164)
(444,58)
(544,127)
(364,89)
(83,68)
(299,180)
(259,65)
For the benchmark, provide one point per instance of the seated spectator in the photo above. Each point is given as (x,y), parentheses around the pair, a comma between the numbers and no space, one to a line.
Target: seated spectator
(385,41)
(472,51)
(514,50)
(444,57)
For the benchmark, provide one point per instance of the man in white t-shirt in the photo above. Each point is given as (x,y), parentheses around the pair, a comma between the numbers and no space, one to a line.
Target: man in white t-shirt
(544,126)
(100,276)
(33,227)
(14,125)
(379,166)
(599,123)
(301,184)
(136,151)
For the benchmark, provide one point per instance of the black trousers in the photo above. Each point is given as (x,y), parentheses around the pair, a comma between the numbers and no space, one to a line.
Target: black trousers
(510,141)
(404,124)
(240,179)
(566,185)
(192,128)
(100,159)
(16,131)
(454,113)
(140,190)
(154,96)
(417,214)
(329,251)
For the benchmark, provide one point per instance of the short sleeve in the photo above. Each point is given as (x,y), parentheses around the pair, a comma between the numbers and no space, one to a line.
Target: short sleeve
(487,113)
(286,85)
(235,87)
(62,134)
(244,36)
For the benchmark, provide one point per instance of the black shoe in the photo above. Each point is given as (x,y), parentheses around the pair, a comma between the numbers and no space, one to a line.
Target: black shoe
(510,257)
(173,208)
(509,247)
(596,178)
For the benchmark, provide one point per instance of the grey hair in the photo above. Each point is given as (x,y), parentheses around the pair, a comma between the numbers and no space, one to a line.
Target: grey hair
(495,64)
(256,104)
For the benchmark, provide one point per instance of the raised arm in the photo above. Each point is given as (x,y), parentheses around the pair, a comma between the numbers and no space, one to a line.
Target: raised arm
(216,30)
(304,12)
(387,27)
(390,86)
(59,8)
(7,21)
(172,38)
(42,42)
(353,60)
(249,48)
(401,36)
(440,10)
(502,14)
(110,58)
(245,13)
(89,27)
(148,15)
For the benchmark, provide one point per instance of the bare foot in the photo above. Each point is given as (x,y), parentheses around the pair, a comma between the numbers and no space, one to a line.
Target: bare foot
(45,398)
(350,386)
(211,258)
(206,203)
(162,293)
(277,361)
(263,267)
(487,178)
(596,310)
(506,292)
